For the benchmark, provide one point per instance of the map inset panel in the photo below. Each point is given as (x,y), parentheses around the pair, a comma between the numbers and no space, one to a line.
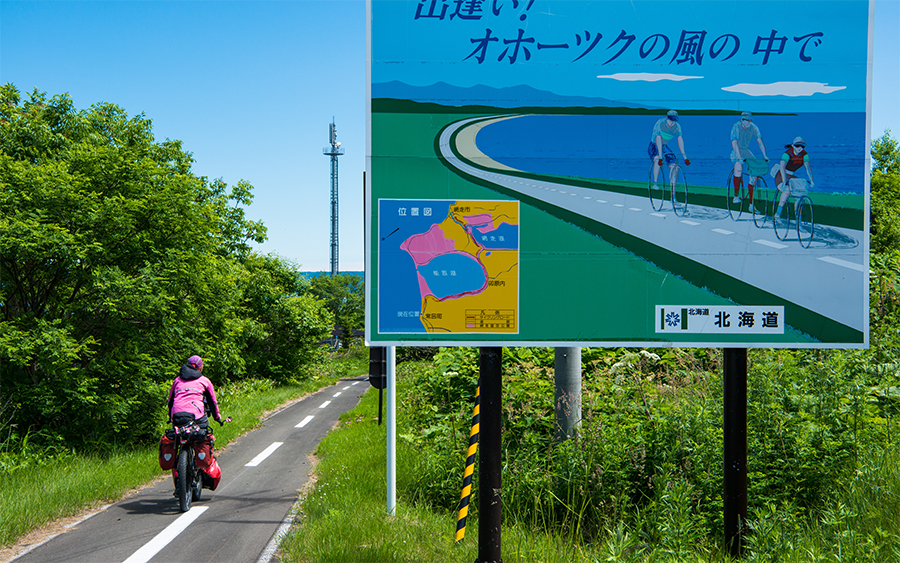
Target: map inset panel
(448,266)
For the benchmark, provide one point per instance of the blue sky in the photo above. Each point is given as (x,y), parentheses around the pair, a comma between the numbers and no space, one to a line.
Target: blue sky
(250,88)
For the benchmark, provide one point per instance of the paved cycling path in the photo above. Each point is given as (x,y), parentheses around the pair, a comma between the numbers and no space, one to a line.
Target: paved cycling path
(706,235)
(236,522)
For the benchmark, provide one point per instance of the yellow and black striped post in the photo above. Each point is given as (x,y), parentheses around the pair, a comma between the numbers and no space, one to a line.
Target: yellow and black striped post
(470,468)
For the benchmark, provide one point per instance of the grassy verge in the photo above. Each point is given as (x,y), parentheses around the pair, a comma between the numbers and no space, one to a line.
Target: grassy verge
(37,494)
(344,518)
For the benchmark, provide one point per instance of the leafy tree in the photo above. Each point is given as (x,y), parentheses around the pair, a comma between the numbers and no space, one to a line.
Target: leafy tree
(885,192)
(116,263)
(344,296)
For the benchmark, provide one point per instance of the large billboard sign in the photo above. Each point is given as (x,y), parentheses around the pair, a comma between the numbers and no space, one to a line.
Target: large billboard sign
(621,172)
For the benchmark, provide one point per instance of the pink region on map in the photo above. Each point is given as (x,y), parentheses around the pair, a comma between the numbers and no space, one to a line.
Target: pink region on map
(423,248)
(424,290)
(484,222)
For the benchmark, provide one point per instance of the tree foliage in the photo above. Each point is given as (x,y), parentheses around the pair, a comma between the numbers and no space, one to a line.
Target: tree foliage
(885,192)
(116,263)
(344,296)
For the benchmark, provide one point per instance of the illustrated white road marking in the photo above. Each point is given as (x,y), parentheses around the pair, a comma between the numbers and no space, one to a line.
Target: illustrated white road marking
(844,263)
(663,215)
(691,223)
(723,231)
(635,209)
(265,453)
(618,205)
(325,404)
(165,537)
(770,244)
(305,422)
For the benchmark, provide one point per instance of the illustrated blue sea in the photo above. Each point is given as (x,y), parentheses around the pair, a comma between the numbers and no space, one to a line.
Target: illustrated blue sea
(615,146)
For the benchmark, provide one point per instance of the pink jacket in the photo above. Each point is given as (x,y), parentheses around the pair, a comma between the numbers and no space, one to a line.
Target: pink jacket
(187,393)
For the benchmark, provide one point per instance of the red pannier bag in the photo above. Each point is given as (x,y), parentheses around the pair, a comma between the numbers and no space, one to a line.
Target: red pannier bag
(211,475)
(167,458)
(203,453)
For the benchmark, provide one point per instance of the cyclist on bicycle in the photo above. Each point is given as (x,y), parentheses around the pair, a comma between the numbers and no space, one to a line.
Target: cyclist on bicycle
(742,134)
(664,130)
(794,158)
(189,391)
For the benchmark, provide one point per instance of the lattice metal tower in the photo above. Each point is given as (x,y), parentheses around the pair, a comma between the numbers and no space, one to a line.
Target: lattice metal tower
(334,151)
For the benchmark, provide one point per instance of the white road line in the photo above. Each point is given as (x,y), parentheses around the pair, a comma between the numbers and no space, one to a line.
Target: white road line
(723,231)
(602,201)
(770,244)
(844,263)
(265,453)
(305,422)
(635,209)
(325,404)
(663,215)
(618,205)
(163,538)
(354,383)
(337,394)
(691,223)
(345,388)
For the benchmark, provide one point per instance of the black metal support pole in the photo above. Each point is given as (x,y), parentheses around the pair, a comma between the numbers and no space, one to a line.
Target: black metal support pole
(489,507)
(735,442)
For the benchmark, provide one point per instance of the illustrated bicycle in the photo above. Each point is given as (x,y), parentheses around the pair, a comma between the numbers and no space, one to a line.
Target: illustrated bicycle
(759,205)
(677,189)
(797,212)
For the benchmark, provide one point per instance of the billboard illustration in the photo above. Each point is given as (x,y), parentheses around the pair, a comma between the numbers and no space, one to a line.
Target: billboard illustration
(618,173)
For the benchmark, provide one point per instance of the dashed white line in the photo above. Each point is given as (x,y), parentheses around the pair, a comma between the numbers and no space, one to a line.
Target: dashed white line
(265,453)
(347,387)
(304,422)
(844,263)
(654,214)
(602,201)
(770,244)
(691,223)
(723,231)
(618,205)
(355,383)
(165,537)
(337,394)
(325,404)
(635,209)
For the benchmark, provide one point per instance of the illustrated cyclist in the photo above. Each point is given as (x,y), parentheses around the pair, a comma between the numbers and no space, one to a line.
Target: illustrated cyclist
(664,130)
(794,158)
(742,134)
(189,391)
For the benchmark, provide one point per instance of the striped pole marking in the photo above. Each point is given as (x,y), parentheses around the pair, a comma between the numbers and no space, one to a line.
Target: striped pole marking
(470,468)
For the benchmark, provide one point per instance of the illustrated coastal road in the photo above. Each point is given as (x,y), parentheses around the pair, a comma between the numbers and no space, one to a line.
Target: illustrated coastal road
(705,235)
(261,474)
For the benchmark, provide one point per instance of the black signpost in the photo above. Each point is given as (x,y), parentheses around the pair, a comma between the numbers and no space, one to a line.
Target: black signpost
(735,442)
(489,466)
(378,373)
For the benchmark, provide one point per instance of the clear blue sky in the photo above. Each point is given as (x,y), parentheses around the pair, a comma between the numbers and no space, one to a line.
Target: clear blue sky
(250,88)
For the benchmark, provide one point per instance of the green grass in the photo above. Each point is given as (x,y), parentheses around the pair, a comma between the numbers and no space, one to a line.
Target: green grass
(344,518)
(39,493)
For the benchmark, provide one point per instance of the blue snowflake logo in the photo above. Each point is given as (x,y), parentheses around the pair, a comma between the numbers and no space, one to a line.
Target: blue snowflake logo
(673,319)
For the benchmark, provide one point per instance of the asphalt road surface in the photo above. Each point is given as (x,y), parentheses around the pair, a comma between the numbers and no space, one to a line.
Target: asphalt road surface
(238,522)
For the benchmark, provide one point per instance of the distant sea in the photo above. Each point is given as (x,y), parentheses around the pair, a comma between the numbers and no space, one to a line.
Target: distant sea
(347,273)
(615,146)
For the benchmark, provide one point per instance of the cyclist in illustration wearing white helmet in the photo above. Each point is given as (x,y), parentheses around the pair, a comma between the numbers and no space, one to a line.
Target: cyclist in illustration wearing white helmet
(794,158)
(742,134)
(664,130)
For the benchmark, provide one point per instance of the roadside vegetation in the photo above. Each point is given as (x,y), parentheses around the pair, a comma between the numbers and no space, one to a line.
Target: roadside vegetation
(117,262)
(642,480)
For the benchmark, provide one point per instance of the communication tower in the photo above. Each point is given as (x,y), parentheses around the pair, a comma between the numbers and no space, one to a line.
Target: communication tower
(334,151)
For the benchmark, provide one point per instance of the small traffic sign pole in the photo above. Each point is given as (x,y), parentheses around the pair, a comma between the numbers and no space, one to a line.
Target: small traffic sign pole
(735,441)
(489,507)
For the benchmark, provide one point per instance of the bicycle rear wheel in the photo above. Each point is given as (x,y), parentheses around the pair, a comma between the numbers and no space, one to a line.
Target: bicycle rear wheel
(679,192)
(184,480)
(658,194)
(735,208)
(762,206)
(806,225)
(782,224)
